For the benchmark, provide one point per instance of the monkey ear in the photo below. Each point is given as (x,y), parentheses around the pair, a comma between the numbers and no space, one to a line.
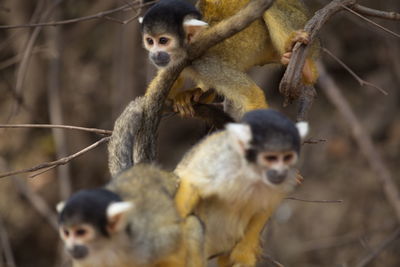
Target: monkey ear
(192,27)
(303,128)
(60,206)
(241,133)
(140,19)
(117,215)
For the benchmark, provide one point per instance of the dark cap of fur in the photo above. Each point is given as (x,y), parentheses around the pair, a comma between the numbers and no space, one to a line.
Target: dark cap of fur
(272,131)
(168,15)
(88,206)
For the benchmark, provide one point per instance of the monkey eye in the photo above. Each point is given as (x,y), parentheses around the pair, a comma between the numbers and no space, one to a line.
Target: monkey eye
(149,41)
(80,232)
(288,157)
(271,158)
(163,40)
(66,232)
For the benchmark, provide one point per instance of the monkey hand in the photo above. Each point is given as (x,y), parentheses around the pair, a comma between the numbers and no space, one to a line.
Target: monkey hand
(183,101)
(243,257)
(297,36)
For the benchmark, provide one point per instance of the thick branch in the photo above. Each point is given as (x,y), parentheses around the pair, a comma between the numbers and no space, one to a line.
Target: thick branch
(291,80)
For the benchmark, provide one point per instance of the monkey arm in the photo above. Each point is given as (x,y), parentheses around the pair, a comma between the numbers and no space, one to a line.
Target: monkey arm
(187,197)
(247,249)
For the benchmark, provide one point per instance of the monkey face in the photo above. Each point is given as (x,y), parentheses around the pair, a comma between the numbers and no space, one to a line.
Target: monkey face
(164,49)
(77,239)
(277,165)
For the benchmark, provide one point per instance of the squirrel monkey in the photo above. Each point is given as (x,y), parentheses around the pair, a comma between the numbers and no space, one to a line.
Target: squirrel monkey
(133,220)
(170,25)
(234,179)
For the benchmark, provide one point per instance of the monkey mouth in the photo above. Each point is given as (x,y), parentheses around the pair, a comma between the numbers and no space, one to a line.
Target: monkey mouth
(161,63)
(276,177)
(78,252)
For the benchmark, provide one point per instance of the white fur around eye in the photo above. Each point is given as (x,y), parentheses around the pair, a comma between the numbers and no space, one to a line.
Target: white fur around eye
(303,128)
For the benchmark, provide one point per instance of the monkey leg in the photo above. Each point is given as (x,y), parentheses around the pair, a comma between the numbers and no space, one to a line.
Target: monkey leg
(183,101)
(235,85)
(194,242)
(186,198)
(245,253)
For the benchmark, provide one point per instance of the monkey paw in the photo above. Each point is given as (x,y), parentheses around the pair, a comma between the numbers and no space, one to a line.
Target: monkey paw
(298,36)
(243,258)
(183,102)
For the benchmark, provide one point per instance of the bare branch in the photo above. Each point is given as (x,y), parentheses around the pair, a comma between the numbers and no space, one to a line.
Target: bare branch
(51,126)
(314,201)
(100,15)
(376,13)
(291,80)
(395,235)
(6,246)
(359,80)
(58,162)
(363,140)
(37,202)
(372,22)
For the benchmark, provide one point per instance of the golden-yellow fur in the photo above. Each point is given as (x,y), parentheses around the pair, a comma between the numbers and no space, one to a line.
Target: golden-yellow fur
(267,40)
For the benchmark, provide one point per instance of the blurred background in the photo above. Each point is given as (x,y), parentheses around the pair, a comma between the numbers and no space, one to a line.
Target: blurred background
(84,74)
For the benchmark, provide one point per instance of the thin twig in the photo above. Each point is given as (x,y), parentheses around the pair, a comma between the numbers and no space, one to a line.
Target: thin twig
(372,22)
(51,126)
(363,140)
(379,249)
(99,15)
(376,13)
(314,141)
(61,161)
(314,201)
(358,78)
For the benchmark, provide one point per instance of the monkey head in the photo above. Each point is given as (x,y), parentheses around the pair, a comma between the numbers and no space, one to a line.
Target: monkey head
(91,223)
(270,143)
(167,27)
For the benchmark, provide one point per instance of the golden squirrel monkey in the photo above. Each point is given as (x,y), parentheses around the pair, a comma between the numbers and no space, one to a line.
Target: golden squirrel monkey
(132,221)
(170,25)
(234,179)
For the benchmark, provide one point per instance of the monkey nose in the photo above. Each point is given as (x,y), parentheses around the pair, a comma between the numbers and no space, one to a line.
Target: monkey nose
(78,251)
(161,59)
(276,177)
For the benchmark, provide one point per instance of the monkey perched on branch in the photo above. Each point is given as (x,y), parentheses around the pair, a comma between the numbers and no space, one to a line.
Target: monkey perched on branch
(171,25)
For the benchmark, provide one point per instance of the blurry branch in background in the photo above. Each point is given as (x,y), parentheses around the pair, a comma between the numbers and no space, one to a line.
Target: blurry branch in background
(6,254)
(359,80)
(101,15)
(27,53)
(314,201)
(362,138)
(364,262)
(372,22)
(376,13)
(38,202)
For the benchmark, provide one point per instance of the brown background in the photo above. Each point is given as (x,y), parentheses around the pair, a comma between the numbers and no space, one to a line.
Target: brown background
(85,73)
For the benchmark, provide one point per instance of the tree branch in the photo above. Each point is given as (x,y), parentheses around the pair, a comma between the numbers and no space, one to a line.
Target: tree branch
(100,15)
(376,13)
(62,161)
(51,126)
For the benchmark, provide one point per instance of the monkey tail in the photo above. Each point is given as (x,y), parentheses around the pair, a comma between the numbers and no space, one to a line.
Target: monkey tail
(122,142)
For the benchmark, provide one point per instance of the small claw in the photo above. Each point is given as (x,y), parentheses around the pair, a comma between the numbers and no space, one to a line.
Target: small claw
(286,58)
